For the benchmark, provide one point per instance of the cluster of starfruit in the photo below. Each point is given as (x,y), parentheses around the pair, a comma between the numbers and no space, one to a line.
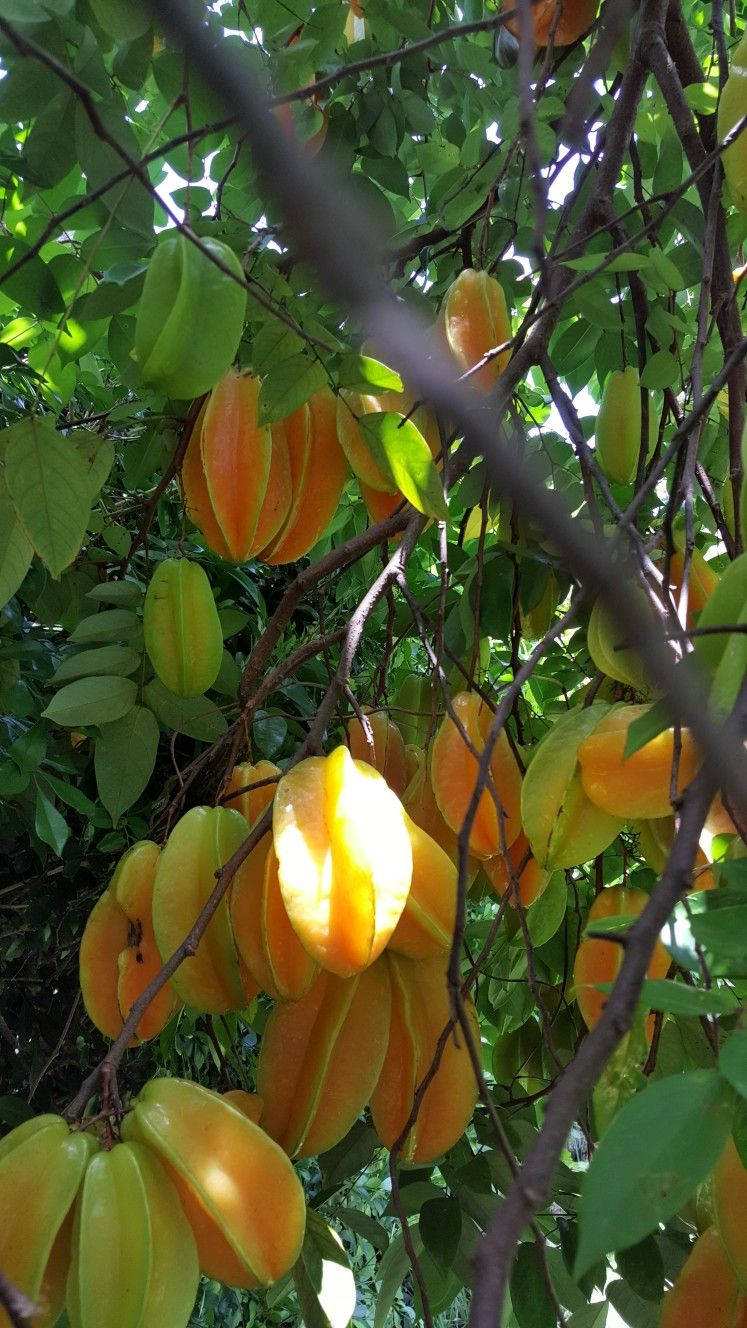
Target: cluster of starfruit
(119,1234)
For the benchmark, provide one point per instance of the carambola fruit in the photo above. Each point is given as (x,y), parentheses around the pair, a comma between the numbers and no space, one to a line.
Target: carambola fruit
(722,656)
(730,1208)
(317,477)
(226,467)
(344,859)
(420,1013)
(563,826)
(118,952)
(264,936)
(531,879)
(474,319)
(732,106)
(638,786)
(705,1292)
(320,1058)
(134,1259)
(42,1164)
(237,1188)
(618,429)
(600,960)
(182,629)
(427,923)
(454,772)
(575,19)
(386,752)
(190,316)
(199,845)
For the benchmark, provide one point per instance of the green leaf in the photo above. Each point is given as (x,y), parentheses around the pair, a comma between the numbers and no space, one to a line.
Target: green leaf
(657,1150)
(16,550)
(545,915)
(643,1268)
(401,451)
(676,998)
(109,625)
(366,374)
(121,19)
(196,716)
(48,482)
(365,1226)
(121,593)
(50,826)
(732,1061)
(92,701)
(661,370)
(529,1299)
(393,1269)
(33,286)
(647,727)
(440,1225)
(323,1279)
(124,759)
(98,455)
(71,795)
(287,386)
(107,659)
(722,931)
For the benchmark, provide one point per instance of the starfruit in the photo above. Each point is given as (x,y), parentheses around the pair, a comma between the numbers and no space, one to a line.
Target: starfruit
(199,845)
(454,772)
(600,961)
(190,316)
(250,1104)
(264,936)
(474,319)
(618,430)
(385,752)
(576,17)
(134,1258)
(226,468)
(182,630)
(352,409)
(427,923)
(420,804)
(41,1167)
(705,1292)
(730,1206)
(320,1058)
(420,1013)
(723,655)
(521,867)
(344,859)
(701,581)
(237,1188)
(317,478)
(118,952)
(639,786)
(606,645)
(732,106)
(414,711)
(563,826)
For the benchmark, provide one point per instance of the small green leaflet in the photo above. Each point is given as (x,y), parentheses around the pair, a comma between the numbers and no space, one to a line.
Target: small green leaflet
(288,386)
(364,373)
(676,998)
(733,1060)
(659,1147)
(124,758)
(440,1225)
(401,451)
(92,701)
(647,727)
(48,482)
(125,594)
(323,1279)
(197,716)
(116,659)
(50,826)
(16,551)
(109,625)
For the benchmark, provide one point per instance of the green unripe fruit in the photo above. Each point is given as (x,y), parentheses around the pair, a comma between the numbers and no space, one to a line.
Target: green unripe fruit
(731,108)
(190,317)
(618,433)
(182,629)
